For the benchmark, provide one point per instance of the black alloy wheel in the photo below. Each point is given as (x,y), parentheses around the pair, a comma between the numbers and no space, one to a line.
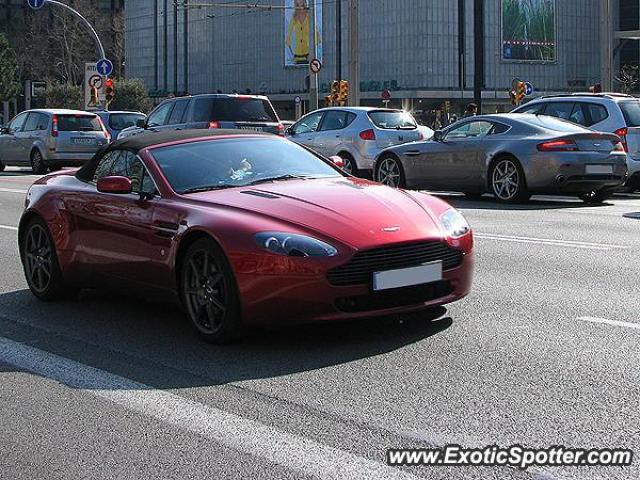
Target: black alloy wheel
(209,293)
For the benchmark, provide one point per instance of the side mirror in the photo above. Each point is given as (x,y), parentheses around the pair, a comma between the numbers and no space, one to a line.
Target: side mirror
(141,123)
(290,131)
(438,136)
(117,185)
(337,161)
(4,130)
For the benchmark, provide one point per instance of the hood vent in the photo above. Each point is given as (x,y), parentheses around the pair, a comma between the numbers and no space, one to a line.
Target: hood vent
(257,193)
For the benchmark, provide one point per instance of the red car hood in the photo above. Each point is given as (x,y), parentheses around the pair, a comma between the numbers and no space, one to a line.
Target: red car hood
(356,212)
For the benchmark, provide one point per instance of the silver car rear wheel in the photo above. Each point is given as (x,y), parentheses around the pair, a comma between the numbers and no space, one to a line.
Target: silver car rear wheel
(507,181)
(389,172)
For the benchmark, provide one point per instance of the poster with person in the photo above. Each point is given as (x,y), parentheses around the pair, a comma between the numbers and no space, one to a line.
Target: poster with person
(297,32)
(529,30)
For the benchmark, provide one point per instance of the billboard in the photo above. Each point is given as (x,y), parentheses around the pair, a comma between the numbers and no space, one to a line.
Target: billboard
(529,30)
(297,32)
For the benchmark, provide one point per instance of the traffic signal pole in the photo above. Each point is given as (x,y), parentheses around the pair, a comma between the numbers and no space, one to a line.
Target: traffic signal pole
(313,51)
(354,58)
(606,46)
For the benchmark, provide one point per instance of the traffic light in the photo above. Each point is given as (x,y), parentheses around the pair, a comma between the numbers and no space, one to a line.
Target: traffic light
(343,94)
(109,90)
(335,92)
(521,92)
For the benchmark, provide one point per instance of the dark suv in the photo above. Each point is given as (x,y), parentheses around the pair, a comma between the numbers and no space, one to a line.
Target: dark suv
(247,112)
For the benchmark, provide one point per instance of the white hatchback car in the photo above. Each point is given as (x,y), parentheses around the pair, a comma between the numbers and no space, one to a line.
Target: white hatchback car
(605,112)
(356,134)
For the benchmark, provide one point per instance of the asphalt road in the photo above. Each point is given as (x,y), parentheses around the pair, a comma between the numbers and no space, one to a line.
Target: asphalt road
(544,352)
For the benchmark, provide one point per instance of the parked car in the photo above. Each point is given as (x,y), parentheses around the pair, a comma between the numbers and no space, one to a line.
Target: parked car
(50,139)
(240,226)
(511,156)
(357,134)
(606,112)
(117,121)
(245,112)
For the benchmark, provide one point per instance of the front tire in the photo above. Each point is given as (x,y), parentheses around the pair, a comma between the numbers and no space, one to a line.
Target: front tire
(2,166)
(507,181)
(40,262)
(37,162)
(350,165)
(209,293)
(389,172)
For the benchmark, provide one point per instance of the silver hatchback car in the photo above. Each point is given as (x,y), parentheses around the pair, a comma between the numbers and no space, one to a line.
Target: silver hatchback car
(356,134)
(50,139)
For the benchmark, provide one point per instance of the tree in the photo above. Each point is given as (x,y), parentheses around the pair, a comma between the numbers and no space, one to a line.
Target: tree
(629,78)
(63,95)
(131,95)
(9,86)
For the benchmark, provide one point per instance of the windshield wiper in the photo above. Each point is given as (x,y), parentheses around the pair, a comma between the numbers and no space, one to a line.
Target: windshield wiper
(207,188)
(280,178)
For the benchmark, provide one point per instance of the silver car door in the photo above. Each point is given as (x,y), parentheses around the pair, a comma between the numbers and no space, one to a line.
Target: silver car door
(329,138)
(305,130)
(11,149)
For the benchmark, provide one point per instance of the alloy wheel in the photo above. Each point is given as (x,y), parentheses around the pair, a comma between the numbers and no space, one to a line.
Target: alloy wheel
(348,165)
(38,257)
(37,164)
(205,292)
(505,180)
(389,172)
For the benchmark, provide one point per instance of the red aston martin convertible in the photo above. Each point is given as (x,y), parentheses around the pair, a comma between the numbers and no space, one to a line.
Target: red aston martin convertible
(246,229)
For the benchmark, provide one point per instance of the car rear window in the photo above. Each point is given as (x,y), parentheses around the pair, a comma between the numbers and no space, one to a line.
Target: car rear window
(241,109)
(392,120)
(554,123)
(631,111)
(79,123)
(120,121)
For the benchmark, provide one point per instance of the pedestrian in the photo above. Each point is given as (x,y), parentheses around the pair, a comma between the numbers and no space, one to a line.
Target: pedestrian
(471,110)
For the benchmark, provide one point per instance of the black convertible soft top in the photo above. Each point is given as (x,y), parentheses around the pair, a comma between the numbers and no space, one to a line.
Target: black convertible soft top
(149,139)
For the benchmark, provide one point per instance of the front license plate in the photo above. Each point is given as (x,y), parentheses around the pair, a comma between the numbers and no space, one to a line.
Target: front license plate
(253,129)
(82,141)
(599,169)
(406,277)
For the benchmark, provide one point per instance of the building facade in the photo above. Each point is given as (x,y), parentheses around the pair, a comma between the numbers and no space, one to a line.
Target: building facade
(425,52)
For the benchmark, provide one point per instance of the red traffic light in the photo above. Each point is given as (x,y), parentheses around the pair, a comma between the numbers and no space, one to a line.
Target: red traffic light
(108,83)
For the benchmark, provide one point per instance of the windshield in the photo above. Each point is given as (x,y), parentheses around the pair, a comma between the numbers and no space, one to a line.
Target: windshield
(392,120)
(120,121)
(631,112)
(240,162)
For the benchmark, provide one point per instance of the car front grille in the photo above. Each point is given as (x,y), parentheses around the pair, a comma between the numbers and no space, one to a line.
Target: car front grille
(359,270)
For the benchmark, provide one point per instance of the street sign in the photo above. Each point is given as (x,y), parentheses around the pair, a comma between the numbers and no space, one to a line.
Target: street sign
(297,100)
(36,4)
(528,89)
(315,66)
(104,66)
(94,96)
(38,88)
(386,95)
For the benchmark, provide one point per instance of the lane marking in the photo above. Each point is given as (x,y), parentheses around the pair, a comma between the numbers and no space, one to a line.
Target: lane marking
(12,190)
(549,241)
(9,227)
(248,436)
(615,323)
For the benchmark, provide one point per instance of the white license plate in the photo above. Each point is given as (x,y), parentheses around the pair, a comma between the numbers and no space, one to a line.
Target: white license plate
(406,277)
(253,129)
(82,141)
(599,169)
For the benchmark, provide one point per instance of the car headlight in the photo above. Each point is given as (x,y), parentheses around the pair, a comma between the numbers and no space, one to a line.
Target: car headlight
(294,245)
(454,223)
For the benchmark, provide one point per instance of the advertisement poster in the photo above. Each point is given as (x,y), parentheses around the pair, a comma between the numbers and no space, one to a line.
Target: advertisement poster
(529,30)
(297,32)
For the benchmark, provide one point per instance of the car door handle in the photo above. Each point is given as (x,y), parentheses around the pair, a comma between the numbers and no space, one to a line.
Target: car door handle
(413,153)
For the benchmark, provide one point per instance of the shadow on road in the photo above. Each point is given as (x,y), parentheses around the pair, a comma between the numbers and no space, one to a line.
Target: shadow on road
(488,203)
(153,343)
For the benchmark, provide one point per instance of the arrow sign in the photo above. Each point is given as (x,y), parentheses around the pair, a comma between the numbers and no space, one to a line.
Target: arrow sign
(528,89)
(36,4)
(104,67)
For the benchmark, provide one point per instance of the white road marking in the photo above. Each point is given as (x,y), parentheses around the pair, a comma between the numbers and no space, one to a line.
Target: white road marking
(12,190)
(550,241)
(248,436)
(8,227)
(616,323)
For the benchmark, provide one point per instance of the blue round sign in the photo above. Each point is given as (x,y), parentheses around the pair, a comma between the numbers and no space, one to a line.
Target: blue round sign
(104,67)
(36,4)
(528,89)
